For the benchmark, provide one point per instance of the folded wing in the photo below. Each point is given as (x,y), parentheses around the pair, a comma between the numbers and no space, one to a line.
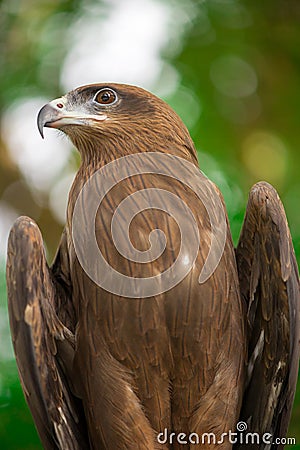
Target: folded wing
(43,345)
(269,284)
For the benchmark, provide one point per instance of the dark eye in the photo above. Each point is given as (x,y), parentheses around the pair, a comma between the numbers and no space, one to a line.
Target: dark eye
(106,97)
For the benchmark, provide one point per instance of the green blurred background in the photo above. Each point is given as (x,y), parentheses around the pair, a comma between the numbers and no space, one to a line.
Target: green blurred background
(230,68)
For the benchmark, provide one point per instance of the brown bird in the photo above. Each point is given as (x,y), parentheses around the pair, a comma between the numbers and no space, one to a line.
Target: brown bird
(116,351)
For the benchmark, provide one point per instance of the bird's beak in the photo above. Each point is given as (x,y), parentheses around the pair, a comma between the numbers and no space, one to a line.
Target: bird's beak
(57,115)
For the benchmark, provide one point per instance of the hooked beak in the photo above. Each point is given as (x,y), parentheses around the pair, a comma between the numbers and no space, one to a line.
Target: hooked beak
(56,115)
(48,116)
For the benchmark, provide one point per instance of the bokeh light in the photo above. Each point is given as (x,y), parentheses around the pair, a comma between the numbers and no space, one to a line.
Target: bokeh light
(124,41)
(266,157)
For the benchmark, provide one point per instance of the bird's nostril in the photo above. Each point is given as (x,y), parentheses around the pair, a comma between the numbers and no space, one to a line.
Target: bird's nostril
(60,105)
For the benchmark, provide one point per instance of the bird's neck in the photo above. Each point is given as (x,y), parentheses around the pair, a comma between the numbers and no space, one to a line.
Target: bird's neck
(98,151)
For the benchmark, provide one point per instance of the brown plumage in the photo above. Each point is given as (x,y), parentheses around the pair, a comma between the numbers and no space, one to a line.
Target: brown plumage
(101,371)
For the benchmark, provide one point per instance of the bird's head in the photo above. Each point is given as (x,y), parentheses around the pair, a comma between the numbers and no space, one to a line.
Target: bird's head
(117,118)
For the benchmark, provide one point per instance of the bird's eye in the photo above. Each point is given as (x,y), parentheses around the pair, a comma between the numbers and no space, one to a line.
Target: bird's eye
(106,97)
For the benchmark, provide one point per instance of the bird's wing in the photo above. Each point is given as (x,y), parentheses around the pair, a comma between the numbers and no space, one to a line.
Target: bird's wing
(42,344)
(269,283)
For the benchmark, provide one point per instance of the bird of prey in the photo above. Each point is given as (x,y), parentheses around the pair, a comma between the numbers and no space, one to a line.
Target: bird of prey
(181,360)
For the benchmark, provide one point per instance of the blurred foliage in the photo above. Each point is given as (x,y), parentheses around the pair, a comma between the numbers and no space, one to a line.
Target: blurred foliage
(238,92)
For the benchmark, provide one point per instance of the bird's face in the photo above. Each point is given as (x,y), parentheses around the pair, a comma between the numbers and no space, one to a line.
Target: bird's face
(95,106)
(99,115)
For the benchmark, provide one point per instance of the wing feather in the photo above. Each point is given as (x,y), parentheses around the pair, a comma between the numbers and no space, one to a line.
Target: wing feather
(269,283)
(41,340)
